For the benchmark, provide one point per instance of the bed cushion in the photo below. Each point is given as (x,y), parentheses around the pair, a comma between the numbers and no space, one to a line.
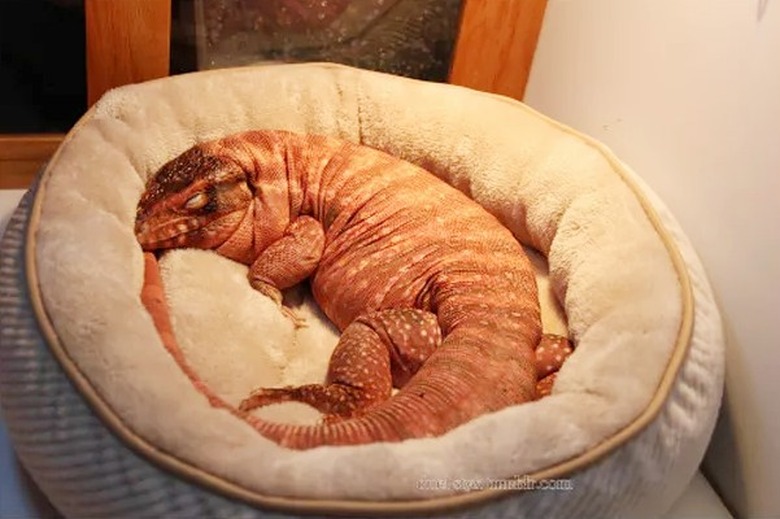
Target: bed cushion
(624,429)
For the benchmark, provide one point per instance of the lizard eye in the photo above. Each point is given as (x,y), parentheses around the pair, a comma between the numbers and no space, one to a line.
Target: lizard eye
(197,201)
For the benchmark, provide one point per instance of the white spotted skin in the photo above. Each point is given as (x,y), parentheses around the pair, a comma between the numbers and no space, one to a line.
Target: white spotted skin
(383,237)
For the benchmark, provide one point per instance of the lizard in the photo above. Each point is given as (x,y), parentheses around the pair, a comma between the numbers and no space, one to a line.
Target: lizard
(432,294)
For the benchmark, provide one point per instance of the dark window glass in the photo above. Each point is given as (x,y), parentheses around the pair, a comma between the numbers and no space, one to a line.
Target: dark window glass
(413,38)
(42,65)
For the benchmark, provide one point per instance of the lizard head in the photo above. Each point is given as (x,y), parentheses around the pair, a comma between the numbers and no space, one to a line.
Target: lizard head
(196,200)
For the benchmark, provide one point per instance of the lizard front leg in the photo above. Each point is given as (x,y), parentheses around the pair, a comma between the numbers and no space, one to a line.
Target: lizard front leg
(377,352)
(288,261)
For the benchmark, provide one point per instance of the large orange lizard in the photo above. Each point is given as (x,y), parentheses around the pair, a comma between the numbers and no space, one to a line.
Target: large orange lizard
(432,294)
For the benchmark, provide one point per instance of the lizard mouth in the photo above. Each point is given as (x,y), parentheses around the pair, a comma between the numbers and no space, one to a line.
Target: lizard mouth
(168,234)
(199,232)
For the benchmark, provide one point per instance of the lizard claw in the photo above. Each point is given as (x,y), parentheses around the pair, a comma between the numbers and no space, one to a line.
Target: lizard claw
(292,315)
(276,295)
(263,397)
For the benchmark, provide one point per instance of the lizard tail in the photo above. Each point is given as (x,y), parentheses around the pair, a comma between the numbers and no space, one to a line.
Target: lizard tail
(448,391)
(351,431)
(449,380)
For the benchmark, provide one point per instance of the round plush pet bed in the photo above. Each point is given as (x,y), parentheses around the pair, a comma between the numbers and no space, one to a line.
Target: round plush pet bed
(109,422)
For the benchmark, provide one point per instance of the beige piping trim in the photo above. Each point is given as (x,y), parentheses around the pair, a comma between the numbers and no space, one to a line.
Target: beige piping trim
(202,477)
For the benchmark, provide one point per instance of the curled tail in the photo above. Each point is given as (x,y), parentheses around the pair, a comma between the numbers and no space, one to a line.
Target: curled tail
(453,387)
(443,387)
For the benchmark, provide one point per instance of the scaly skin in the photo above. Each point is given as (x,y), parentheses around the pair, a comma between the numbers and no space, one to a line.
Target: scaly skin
(432,294)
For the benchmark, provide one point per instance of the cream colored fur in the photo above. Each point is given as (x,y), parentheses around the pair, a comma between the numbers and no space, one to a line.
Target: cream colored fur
(552,188)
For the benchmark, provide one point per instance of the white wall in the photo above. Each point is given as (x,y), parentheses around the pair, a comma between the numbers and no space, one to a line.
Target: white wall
(687,92)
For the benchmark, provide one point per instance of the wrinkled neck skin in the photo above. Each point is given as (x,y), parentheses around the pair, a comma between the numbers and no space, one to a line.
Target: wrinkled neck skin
(241,244)
(270,211)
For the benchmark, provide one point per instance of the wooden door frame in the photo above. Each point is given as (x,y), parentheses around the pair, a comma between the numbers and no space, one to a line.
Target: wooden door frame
(496,44)
(128,41)
(22,155)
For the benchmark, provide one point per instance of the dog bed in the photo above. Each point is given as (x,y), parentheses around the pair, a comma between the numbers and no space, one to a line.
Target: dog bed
(109,423)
